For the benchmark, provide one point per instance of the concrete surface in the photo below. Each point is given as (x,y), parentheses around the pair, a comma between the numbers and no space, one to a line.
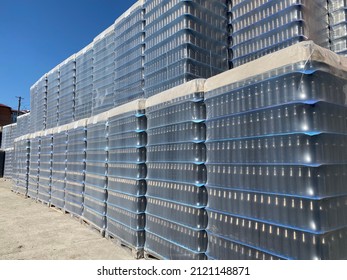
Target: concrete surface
(33,231)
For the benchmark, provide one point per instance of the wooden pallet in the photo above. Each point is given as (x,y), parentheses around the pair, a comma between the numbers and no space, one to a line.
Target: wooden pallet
(151,256)
(57,208)
(93,226)
(137,253)
(38,200)
(20,193)
(73,215)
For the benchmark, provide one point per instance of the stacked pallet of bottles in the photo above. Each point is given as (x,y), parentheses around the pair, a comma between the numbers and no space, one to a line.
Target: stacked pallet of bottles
(21,165)
(67,83)
(45,169)
(338,25)
(103,71)
(84,83)
(184,40)
(276,157)
(129,55)
(260,27)
(8,166)
(38,105)
(53,88)
(9,133)
(126,185)
(75,167)
(23,125)
(176,197)
(59,155)
(95,195)
(34,165)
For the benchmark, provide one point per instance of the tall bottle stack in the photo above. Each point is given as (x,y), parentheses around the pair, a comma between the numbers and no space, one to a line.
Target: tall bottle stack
(338,26)
(126,185)
(53,90)
(103,71)
(75,167)
(67,87)
(59,154)
(276,135)
(129,55)
(34,165)
(45,170)
(23,125)
(185,40)
(9,133)
(260,27)
(95,193)
(21,165)
(176,197)
(38,104)
(84,83)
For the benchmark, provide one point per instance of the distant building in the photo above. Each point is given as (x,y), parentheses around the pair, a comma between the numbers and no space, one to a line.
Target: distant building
(5,115)
(14,114)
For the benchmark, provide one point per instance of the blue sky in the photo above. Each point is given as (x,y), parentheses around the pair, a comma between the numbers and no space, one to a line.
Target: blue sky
(36,35)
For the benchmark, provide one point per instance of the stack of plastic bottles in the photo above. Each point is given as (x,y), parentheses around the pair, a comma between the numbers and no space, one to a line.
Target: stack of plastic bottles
(129,59)
(59,167)
(276,157)
(21,165)
(45,170)
(34,165)
(23,125)
(38,105)
(185,40)
(176,196)
(9,133)
(67,84)
(53,84)
(84,83)
(260,27)
(338,25)
(95,195)
(8,167)
(75,167)
(126,175)
(103,71)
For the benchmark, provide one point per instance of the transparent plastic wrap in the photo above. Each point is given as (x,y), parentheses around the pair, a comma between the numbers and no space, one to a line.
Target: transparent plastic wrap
(9,134)
(193,239)
(38,104)
(74,202)
(133,220)
(282,241)
(34,165)
(164,249)
(128,155)
(45,170)
(128,170)
(220,248)
(103,71)
(21,159)
(125,185)
(131,237)
(190,216)
(94,204)
(263,27)
(136,204)
(53,88)
(182,193)
(94,217)
(84,83)
(23,125)
(184,40)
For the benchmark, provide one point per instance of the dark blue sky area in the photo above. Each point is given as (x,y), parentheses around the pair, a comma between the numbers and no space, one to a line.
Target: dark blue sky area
(36,35)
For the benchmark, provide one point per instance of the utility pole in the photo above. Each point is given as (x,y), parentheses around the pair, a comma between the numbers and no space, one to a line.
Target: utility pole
(19,103)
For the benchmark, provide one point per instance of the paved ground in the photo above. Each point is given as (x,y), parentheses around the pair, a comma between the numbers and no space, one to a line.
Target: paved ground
(32,231)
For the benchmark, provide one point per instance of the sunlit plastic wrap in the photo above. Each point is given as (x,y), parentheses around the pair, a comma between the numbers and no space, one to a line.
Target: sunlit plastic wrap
(260,27)
(184,40)
(95,193)
(59,166)
(75,166)
(45,169)
(9,134)
(8,165)
(129,55)
(126,201)
(103,71)
(53,88)
(338,26)
(276,134)
(23,125)
(67,87)
(38,105)
(176,174)
(84,83)
(34,165)
(21,165)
